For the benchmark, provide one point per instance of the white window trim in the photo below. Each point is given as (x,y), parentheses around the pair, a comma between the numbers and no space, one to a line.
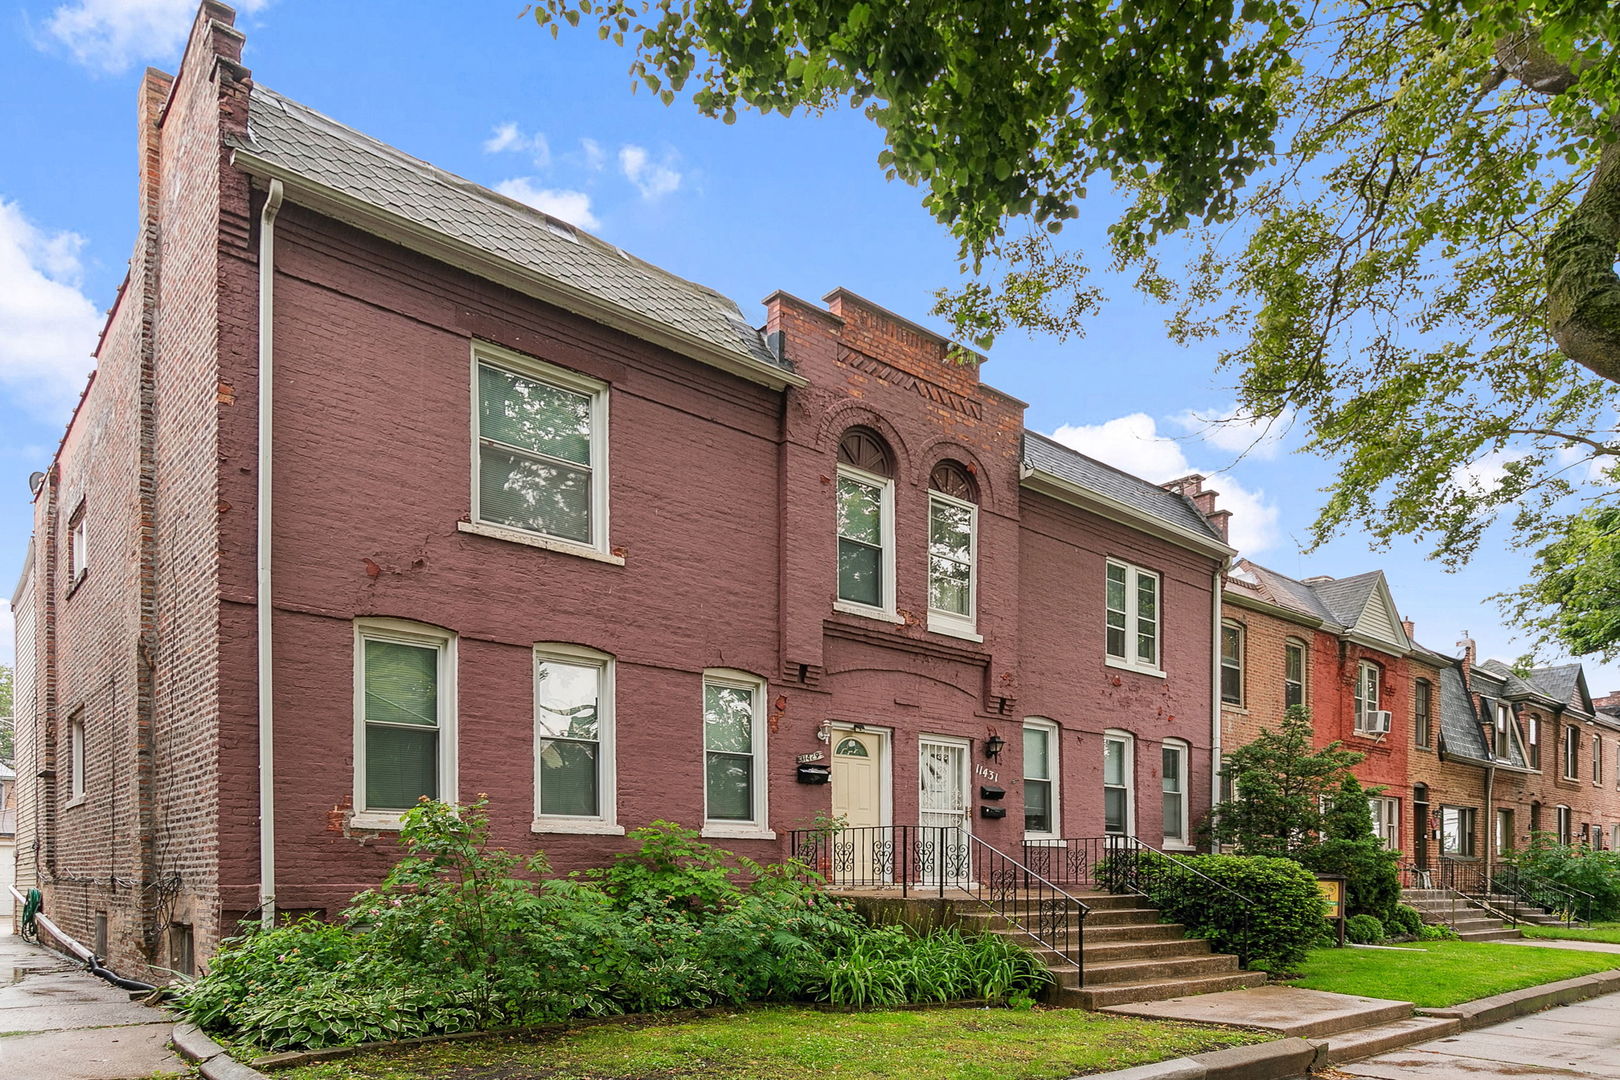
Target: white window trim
(605,823)
(885,486)
(1368,673)
(1597,760)
(726,828)
(949,622)
(1131,662)
(78,545)
(1242,662)
(1055,767)
(1390,815)
(1181,841)
(408,633)
(1304,670)
(530,367)
(1130,778)
(1571,749)
(78,790)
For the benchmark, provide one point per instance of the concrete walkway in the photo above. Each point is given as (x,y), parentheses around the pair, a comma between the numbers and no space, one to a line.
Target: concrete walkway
(58,1022)
(1570,1041)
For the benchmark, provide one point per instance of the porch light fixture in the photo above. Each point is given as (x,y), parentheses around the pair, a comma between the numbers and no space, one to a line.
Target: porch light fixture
(993,745)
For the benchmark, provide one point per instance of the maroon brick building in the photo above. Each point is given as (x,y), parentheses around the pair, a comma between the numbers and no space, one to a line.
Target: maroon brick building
(389,486)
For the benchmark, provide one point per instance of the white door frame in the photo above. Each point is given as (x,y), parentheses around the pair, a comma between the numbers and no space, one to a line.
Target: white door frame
(966,746)
(885,737)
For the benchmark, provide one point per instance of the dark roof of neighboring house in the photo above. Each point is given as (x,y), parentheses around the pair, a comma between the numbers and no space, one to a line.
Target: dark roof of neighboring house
(1509,685)
(1050,456)
(1346,598)
(307,144)
(1558,683)
(1459,723)
(1284,591)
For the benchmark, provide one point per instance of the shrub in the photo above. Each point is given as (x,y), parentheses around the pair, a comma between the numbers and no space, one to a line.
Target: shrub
(1363,930)
(1436,932)
(1269,918)
(892,966)
(1405,920)
(1596,873)
(1350,848)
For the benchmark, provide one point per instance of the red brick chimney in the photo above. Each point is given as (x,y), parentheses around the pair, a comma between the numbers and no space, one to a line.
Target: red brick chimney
(1468,656)
(1409,627)
(1192,487)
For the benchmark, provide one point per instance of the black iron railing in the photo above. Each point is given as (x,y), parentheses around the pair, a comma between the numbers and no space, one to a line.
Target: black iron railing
(1118,863)
(923,860)
(1503,889)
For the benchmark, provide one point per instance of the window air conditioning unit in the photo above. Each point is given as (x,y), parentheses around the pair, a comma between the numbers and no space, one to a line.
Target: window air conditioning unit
(1375,721)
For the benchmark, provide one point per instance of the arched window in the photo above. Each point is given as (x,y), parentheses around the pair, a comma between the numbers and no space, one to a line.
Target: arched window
(865,524)
(953,527)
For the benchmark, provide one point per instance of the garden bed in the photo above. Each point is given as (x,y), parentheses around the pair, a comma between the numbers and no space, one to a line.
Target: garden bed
(794,1043)
(1436,974)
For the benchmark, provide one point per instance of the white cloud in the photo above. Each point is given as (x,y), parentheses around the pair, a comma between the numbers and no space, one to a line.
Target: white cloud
(595,156)
(1228,430)
(508,138)
(1134,444)
(48,328)
(1483,476)
(573,207)
(653,179)
(113,34)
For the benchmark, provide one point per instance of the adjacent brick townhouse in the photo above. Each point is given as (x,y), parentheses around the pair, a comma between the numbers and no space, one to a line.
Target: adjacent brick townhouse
(538,520)
(1338,646)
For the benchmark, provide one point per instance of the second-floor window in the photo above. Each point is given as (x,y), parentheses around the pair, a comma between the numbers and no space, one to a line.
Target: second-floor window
(1133,616)
(1293,673)
(865,522)
(78,546)
(1422,716)
(1532,733)
(1370,718)
(541,449)
(1597,759)
(1572,752)
(1231,664)
(953,525)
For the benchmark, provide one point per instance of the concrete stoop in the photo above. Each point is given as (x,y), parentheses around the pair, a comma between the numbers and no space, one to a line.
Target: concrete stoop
(1472,922)
(1129,955)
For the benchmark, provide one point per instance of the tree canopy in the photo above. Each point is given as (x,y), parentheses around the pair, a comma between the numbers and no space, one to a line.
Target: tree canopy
(1281,785)
(1402,217)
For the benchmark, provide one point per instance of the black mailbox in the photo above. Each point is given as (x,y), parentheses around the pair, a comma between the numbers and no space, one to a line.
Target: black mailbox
(814,774)
(990,791)
(992,811)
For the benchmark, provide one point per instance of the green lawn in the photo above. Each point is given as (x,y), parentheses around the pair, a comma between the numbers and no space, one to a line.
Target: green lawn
(1601,931)
(802,1044)
(1434,974)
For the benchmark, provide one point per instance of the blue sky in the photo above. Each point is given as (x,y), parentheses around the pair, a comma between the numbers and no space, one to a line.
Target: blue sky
(770,202)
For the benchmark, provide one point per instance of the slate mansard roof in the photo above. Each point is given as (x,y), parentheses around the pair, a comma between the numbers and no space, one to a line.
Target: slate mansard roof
(1049,456)
(294,139)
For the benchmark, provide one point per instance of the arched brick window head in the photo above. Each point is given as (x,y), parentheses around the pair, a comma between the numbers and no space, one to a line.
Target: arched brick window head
(864,449)
(951,478)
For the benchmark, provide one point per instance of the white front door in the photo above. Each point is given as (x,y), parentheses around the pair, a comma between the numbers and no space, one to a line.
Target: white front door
(942,809)
(863,851)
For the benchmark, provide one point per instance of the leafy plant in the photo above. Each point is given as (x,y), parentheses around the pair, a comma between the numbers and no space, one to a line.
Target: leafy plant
(1405,920)
(1349,847)
(893,966)
(1269,918)
(1363,930)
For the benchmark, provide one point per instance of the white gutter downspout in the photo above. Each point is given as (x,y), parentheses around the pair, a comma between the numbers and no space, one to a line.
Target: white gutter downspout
(1215,693)
(263,607)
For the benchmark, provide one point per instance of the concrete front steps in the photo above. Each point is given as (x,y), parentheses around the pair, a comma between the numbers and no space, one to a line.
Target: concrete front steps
(1130,956)
(1472,923)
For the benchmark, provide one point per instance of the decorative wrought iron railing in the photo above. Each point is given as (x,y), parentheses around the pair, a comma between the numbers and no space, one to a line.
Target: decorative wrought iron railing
(1118,863)
(922,860)
(1504,889)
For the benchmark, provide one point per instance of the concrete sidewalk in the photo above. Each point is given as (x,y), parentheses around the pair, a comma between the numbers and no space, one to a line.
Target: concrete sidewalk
(58,1022)
(1581,1040)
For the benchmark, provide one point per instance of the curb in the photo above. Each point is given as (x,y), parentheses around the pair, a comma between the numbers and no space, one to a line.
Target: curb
(210,1058)
(1483,1012)
(1262,1061)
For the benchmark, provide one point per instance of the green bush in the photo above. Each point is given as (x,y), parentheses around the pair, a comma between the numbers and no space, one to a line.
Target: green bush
(1363,930)
(1269,918)
(1436,932)
(1405,920)
(1349,848)
(1596,873)
(462,936)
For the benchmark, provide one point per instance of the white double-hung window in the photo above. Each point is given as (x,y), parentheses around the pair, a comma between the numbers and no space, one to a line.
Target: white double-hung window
(540,459)
(405,718)
(953,526)
(865,524)
(1040,779)
(1132,601)
(574,788)
(734,788)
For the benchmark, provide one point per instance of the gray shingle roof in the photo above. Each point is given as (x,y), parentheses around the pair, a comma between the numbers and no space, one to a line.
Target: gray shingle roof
(305,143)
(1347,597)
(1287,592)
(1459,724)
(1558,683)
(1051,456)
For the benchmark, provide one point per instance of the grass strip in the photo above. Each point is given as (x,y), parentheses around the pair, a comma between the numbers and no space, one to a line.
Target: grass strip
(1434,974)
(1606,932)
(786,1043)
